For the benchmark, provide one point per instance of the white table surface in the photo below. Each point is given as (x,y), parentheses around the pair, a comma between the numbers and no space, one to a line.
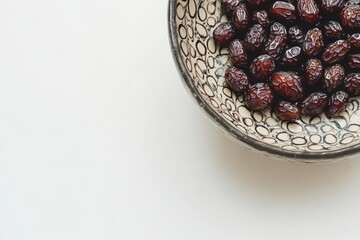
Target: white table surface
(99,140)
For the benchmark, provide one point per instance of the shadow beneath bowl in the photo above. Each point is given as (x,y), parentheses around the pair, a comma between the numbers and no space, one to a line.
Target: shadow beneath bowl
(276,180)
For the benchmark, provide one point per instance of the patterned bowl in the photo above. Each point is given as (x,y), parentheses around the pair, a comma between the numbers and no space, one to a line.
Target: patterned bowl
(202,64)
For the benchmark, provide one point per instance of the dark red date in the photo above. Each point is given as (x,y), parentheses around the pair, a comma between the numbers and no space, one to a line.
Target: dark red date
(350,16)
(313,42)
(333,30)
(335,52)
(261,68)
(224,34)
(333,77)
(287,84)
(287,111)
(314,104)
(259,96)
(337,103)
(240,17)
(352,84)
(261,17)
(313,71)
(283,11)
(255,38)
(236,79)
(308,11)
(238,55)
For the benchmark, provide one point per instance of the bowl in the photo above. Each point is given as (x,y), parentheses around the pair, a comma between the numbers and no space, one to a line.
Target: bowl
(201,64)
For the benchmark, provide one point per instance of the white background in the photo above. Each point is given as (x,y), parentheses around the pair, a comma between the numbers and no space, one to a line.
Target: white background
(99,140)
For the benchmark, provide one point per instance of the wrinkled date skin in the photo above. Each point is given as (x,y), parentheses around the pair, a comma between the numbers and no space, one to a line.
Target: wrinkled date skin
(238,55)
(313,71)
(278,29)
(261,68)
(354,61)
(255,38)
(333,30)
(276,42)
(333,77)
(308,11)
(350,16)
(314,104)
(352,84)
(240,17)
(236,79)
(330,6)
(337,103)
(259,96)
(335,52)
(292,56)
(283,11)
(261,17)
(354,41)
(224,34)
(287,84)
(313,42)
(287,111)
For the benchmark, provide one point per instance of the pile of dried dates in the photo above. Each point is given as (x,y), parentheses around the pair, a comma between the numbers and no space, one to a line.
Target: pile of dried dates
(298,57)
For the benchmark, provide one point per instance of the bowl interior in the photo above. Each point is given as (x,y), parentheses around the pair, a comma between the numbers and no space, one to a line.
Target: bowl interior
(202,65)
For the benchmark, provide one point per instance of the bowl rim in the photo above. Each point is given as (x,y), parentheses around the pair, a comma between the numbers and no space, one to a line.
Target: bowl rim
(228,129)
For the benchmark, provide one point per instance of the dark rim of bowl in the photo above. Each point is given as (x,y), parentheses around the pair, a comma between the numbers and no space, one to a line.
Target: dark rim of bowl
(226,127)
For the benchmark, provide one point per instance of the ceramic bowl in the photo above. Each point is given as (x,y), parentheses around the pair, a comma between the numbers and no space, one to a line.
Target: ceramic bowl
(202,64)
